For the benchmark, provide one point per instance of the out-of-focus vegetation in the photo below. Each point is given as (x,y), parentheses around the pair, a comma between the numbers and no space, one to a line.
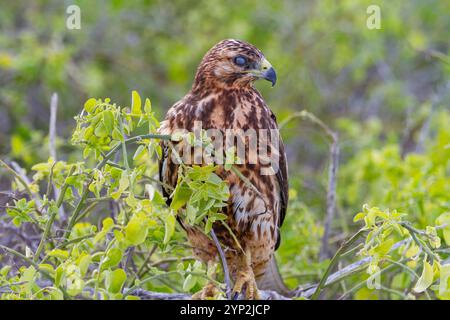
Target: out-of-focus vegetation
(385,92)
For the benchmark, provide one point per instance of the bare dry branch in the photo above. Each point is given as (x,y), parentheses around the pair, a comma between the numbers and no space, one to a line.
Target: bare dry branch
(52,126)
(332,172)
(331,197)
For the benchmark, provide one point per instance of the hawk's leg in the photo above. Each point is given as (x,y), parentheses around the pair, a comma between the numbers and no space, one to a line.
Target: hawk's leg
(245,279)
(210,290)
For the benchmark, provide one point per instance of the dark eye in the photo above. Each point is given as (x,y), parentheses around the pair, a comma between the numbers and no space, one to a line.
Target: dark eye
(240,60)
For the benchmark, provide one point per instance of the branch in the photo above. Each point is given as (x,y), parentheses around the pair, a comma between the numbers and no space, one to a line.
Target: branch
(331,197)
(51,219)
(19,176)
(434,54)
(52,143)
(335,277)
(224,264)
(151,295)
(306,292)
(344,272)
(333,261)
(52,126)
(332,172)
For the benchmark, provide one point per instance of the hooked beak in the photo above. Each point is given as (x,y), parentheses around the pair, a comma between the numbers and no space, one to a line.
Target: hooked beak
(268,72)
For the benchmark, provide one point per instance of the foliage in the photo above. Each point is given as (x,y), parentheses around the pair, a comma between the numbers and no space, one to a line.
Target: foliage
(76,259)
(87,261)
(81,223)
(393,242)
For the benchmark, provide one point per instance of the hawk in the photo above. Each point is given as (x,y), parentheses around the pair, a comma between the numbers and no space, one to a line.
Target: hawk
(223,97)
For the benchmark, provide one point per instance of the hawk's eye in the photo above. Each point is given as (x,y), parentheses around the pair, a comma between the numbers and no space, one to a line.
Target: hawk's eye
(240,61)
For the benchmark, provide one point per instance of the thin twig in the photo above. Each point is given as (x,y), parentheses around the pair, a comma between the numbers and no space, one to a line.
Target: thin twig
(18,176)
(334,260)
(52,144)
(332,173)
(52,126)
(331,198)
(413,232)
(335,277)
(224,264)
(21,172)
(172,259)
(144,264)
(51,219)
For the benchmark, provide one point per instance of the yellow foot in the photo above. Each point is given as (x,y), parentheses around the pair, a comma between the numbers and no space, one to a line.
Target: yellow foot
(208,292)
(245,280)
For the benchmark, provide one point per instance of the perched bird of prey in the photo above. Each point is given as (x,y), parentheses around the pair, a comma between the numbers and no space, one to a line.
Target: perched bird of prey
(223,97)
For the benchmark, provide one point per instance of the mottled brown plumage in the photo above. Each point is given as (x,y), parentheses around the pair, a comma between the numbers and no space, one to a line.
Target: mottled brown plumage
(223,97)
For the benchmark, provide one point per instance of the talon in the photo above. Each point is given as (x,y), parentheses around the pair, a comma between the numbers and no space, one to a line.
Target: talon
(246,283)
(208,292)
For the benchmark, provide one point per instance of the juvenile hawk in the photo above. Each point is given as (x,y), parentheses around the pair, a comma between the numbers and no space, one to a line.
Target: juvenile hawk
(223,97)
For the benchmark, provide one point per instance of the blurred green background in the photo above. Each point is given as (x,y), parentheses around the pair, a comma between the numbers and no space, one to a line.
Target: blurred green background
(386,92)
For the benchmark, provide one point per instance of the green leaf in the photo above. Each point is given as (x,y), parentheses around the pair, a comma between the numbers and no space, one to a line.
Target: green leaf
(59,275)
(117,135)
(181,196)
(138,152)
(359,216)
(136,230)
(189,283)
(86,152)
(136,103)
(108,120)
(444,282)
(84,260)
(58,253)
(426,279)
(47,267)
(100,130)
(115,280)
(446,234)
(113,258)
(147,106)
(170,227)
(44,166)
(444,220)
(5,270)
(56,294)
(191,214)
(107,224)
(208,225)
(90,104)
(74,285)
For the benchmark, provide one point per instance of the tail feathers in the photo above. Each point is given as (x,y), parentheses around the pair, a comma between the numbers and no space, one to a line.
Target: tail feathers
(272,280)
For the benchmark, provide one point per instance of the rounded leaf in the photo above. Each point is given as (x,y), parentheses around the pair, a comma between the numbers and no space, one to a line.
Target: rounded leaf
(115,280)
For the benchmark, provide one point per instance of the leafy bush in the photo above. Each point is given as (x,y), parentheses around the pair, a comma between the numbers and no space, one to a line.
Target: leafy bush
(103,230)
(75,258)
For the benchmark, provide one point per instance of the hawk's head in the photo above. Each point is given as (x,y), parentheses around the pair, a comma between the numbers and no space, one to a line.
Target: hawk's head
(232,63)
